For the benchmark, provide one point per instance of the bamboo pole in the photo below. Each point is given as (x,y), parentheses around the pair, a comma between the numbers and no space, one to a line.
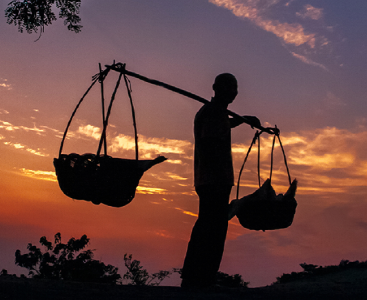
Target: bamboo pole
(119,67)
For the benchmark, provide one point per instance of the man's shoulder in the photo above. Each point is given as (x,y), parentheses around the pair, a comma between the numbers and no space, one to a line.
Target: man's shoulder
(205,107)
(211,110)
(204,110)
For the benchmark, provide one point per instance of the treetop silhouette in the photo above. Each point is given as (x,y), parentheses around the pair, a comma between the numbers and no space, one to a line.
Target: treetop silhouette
(34,15)
(65,261)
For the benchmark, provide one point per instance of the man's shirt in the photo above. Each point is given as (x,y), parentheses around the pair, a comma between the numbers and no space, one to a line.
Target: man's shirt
(212,156)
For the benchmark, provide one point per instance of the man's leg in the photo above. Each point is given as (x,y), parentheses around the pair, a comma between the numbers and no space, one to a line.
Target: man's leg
(206,245)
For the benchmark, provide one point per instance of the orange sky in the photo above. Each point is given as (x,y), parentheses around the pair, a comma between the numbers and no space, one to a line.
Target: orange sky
(298,73)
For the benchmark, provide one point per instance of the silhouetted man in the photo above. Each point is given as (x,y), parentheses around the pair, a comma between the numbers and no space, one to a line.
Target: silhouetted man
(213,172)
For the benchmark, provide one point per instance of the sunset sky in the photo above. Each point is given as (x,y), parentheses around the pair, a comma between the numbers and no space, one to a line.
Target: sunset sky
(300,65)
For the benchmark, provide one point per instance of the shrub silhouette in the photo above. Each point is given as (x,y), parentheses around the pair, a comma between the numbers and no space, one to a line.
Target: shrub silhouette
(139,276)
(236,280)
(65,261)
(223,279)
(310,270)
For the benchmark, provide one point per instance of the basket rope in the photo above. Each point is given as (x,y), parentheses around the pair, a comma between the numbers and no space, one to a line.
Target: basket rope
(108,114)
(103,109)
(101,76)
(129,91)
(257,138)
(72,115)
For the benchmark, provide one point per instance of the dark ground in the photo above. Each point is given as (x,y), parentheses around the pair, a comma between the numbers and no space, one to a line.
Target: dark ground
(349,284)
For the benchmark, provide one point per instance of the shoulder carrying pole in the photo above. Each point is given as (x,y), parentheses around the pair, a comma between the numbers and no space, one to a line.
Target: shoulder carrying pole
(119,67)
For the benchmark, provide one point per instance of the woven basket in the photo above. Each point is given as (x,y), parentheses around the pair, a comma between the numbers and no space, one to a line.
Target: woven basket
(103,179)
(264,210)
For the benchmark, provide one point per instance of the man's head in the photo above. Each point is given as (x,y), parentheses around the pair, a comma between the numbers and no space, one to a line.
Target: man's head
(225,87)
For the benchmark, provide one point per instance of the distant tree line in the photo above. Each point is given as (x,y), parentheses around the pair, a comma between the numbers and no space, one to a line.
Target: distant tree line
(310,270)
(70,261)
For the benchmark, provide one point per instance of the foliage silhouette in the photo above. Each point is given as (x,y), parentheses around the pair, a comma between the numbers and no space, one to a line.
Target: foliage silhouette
(65,261)
(310,270)
(236,280)
(32,15)
(223,279)
(69,262)
(139,276)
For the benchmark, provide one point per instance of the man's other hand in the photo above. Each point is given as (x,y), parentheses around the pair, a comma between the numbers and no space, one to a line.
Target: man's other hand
(253,121)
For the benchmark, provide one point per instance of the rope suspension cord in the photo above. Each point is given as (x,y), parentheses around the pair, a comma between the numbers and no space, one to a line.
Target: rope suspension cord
(108,114)
(119,67)
(272,158)
(95,79)
(129,90)
(284,156)
(285,159)
(258,159)
(103,108)
(257,137)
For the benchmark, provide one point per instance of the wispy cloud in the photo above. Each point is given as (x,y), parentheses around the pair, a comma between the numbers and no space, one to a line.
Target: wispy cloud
(4,84)
(90,131)
(15,145)
(7,126)
(247,9)
(20,142)
(10,127)
(150,147)
(20,146)
(164,234)
(37,152)
(58,132)
(289,33)
(150,190)
(310,12)
(3,112)
(189,213)
(293,35)
(331,100)
(289,2)
(38,174)
(309,61)
(328,159)
(175,176)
